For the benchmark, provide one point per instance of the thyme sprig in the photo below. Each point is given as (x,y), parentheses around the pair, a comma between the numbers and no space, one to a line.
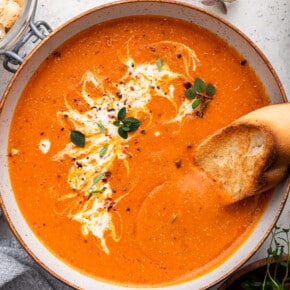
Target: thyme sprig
(126,125)
(277,275)
(200,94)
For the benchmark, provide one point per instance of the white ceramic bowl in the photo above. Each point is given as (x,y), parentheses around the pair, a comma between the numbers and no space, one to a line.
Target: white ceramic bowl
(126,8)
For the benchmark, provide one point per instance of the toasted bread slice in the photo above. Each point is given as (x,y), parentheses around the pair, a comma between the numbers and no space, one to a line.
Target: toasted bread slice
(250,155)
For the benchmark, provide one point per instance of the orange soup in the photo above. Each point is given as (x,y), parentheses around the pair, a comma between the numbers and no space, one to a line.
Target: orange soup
(101,151)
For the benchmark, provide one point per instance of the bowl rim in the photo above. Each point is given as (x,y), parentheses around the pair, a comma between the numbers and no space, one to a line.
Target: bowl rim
(99,8)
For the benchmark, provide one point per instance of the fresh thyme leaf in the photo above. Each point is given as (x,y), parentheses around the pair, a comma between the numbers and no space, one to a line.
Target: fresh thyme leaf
(190,94)
(78,138)
(196,103)
(104,151)
(122,133)
(102,128)
(96,191)
(116,123)
(210,90)
(284,264)
(159,62)
(201,94)
(126,129)
(129,124)
(132,123)
(122,113)
(199,85)
(97,179)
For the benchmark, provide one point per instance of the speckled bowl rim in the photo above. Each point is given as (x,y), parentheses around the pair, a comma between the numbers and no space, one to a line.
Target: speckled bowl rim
(100,8)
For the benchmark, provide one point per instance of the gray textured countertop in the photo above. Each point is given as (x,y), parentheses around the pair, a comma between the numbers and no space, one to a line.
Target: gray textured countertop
(265,22)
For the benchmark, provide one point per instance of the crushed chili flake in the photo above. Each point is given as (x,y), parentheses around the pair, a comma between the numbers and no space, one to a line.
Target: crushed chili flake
(182,98)
(109,203)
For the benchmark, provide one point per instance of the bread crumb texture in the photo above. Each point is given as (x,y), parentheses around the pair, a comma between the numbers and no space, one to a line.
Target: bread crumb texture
(237,157)
(9,12)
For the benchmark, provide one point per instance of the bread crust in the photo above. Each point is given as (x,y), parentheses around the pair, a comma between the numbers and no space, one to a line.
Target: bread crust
(227,157)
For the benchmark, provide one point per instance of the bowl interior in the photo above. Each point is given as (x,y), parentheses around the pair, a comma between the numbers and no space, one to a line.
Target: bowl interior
(104,13)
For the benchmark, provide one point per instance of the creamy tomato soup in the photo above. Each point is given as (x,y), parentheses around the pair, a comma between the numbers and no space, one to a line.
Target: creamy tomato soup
(101,151)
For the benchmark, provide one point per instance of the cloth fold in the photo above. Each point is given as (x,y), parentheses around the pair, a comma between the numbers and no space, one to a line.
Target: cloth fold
(17,269)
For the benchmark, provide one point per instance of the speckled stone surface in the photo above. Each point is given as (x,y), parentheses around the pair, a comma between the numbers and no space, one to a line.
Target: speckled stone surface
(265,22)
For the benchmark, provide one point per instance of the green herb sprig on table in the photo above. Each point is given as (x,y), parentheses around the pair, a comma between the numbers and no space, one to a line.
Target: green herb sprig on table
(277,275)
(200,94)
(126,125)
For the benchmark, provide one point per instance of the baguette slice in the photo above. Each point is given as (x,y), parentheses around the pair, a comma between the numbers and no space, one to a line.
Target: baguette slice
(251,155)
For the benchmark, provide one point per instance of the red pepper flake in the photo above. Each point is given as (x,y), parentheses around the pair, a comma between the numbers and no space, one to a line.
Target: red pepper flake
(108,79)
(182,98)
(109,203)
(125,151)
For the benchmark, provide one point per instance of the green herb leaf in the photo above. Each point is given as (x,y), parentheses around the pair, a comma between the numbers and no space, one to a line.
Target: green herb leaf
(98,178)
(104,151)
(190,94)
(210,90)
(199,85)
(102,128)
(116,123)
(196,103)
(122,133)
(78,138)
(129,124)
(126,129)
(122,113)
(160,62)
(96,191)
(132,123)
